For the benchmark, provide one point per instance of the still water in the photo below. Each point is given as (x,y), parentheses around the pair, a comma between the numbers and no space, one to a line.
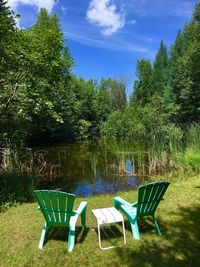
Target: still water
(86,170)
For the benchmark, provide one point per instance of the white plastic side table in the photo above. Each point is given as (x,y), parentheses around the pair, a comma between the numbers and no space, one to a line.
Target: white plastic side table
(107,216)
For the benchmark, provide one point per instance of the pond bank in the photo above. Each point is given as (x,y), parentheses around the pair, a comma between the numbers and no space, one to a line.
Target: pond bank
(178,216)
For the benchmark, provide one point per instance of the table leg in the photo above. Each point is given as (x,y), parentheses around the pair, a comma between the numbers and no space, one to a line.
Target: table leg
(99,236)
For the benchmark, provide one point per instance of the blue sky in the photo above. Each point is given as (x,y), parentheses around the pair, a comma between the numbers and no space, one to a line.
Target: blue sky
(106,37)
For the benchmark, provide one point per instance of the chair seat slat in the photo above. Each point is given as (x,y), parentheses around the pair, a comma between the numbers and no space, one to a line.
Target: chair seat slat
(151,201)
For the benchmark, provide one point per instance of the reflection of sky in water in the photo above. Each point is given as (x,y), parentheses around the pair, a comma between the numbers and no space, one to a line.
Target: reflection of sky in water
(101,186)
(129,166)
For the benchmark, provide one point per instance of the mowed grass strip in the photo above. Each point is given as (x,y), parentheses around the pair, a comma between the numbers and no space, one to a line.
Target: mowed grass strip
(178,216)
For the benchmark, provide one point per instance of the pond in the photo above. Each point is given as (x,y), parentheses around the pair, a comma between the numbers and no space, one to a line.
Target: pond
(86,169)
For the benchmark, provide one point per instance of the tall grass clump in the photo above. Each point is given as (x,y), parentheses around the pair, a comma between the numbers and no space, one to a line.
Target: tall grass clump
(175,151)
(192,136)
(16,184)
(167,150)
(189,157)
(118,152)
(15,188)
(162,146)
(18,171)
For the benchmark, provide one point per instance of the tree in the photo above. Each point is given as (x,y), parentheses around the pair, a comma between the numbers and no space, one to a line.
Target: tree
(143,87)
(11,76)
(190,66)
(175,68)
(49,79)
(7,32)
(35,78)
(103,100)
(160,69)
(118,95)
(7,24)
(51,55)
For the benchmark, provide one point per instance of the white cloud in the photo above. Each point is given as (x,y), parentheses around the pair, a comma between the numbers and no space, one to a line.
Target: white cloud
(115,45)
(48,4)
(104,14)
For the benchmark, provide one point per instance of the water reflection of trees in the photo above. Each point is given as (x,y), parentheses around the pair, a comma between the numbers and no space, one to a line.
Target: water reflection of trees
(71,166)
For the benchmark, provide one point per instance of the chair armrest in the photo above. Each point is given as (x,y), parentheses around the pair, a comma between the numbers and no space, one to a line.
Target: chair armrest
(118,202)
(134,205)
(81,207)
(129,211)
(72,222)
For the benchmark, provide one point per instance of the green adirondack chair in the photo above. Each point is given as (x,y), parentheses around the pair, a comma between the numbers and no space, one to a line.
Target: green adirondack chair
(149,197)
(57,208)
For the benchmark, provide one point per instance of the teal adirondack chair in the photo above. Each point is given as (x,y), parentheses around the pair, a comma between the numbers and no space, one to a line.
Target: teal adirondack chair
(149,197)
(57,208)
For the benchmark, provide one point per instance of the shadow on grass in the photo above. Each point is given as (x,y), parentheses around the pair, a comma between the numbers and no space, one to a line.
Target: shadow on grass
(61,234)
(111,234)
(145,225)
(179,245)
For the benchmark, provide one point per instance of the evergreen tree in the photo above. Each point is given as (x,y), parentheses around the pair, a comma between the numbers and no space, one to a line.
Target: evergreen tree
(143,87)
(160,69)
(7,23)
(190,65)
(175,68)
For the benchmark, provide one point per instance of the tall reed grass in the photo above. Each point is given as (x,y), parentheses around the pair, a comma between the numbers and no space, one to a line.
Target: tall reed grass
(177,151)
(19,170)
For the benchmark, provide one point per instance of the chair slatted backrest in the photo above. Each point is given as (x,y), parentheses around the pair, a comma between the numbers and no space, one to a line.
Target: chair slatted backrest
(56,206)
(149,196)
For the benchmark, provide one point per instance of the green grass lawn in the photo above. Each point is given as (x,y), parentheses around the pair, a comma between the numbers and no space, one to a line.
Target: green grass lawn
(179,245)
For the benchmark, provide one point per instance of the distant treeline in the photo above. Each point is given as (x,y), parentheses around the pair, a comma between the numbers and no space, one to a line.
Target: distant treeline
(42,102)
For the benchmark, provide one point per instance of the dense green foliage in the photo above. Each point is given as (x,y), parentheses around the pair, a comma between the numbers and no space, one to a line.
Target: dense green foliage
(166,95)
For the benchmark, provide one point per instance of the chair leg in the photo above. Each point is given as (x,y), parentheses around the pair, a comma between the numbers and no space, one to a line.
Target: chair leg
(71,240)
(42,238)
(124,232)
(71,236)
(157,226)
(135,230)
(83,218)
